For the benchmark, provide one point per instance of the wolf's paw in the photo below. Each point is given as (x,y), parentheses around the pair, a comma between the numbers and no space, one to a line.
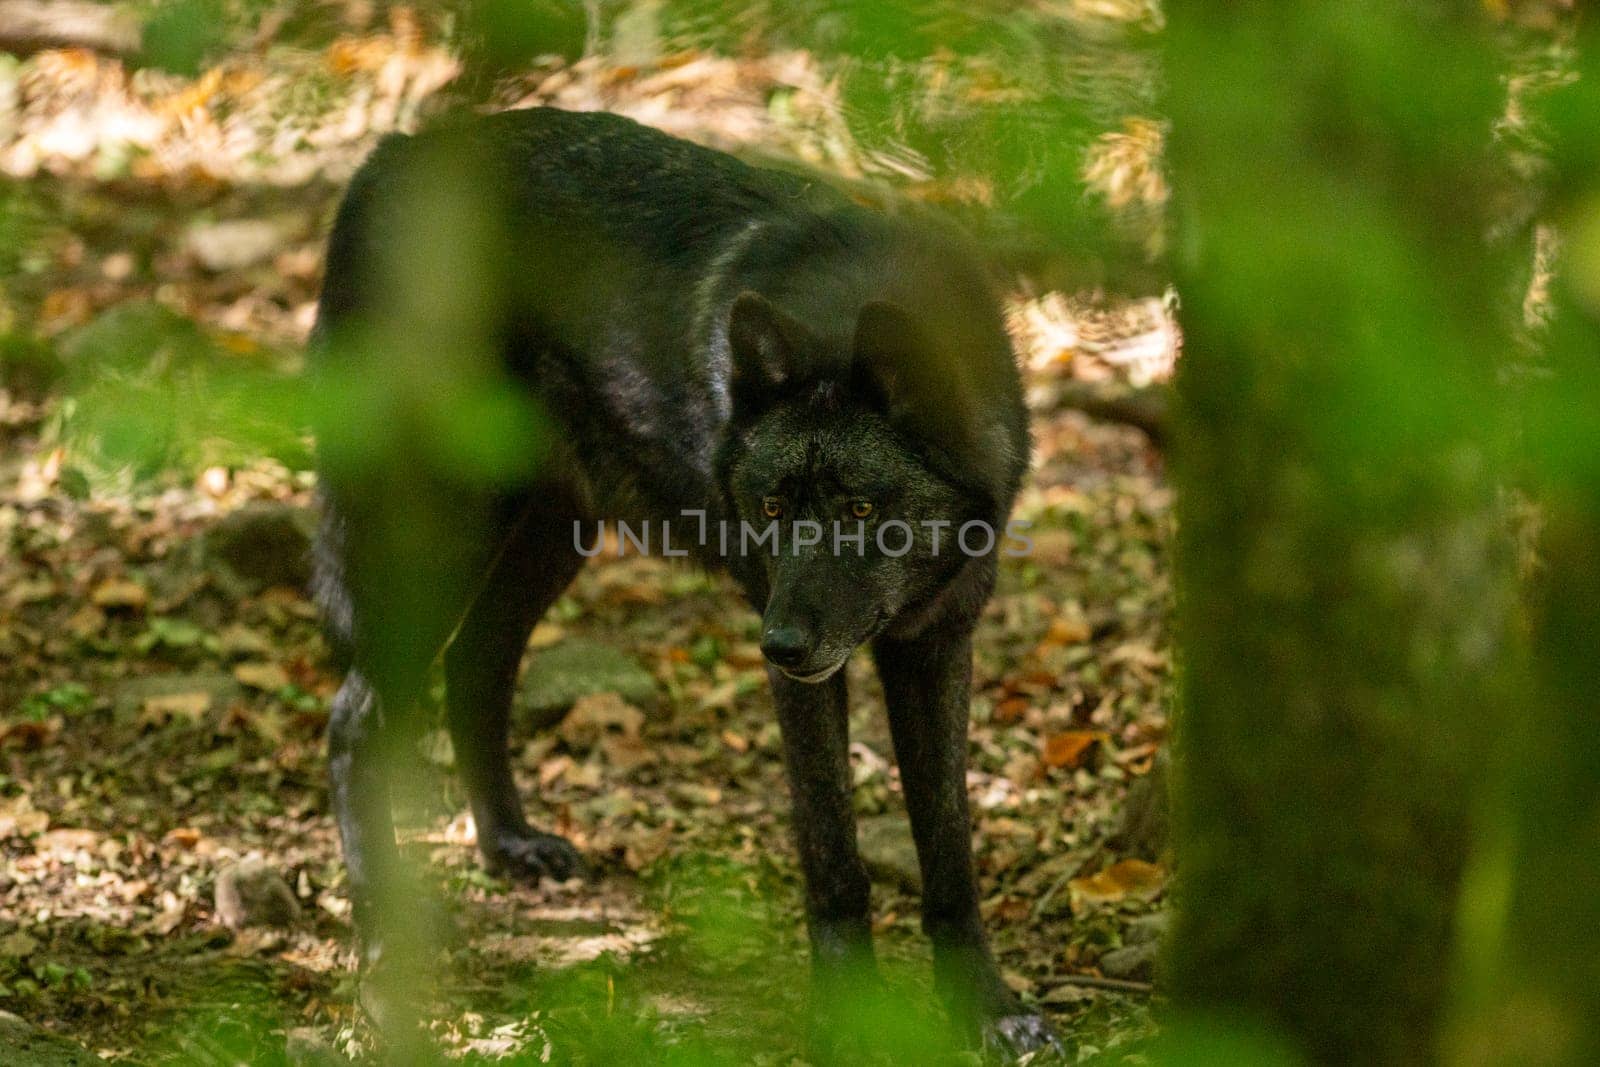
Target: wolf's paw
(531,856)
(1008,1038)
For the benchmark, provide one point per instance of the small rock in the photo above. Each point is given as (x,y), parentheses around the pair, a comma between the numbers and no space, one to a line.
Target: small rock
(889,851)
(260,545)
(1135,963)
(137,695)
(1146,929)
(556,677)
(234,244)
(250,893)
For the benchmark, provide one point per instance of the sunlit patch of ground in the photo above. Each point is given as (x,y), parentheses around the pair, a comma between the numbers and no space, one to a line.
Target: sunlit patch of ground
(117,816)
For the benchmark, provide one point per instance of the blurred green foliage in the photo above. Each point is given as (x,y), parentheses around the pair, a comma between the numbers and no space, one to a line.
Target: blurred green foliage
(1367,806)
(150,391)
(181,35)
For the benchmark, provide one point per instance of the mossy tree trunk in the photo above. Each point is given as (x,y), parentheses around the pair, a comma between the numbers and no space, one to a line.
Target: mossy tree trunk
(1545,1006)
(1343,565)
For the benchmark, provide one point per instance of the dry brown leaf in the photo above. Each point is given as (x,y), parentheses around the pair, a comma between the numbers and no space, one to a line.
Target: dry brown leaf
(182,836)
(1011,710)
(86,622)
(349,55)
(546,634)
(172,912)
(1066,630)
(551,770)
(19,819)
(30,735)
(626,752)
(1071,749)
(64,308)
(597,714)
(267,677)
(160,710)
(192,98)
(1123,879)
(120,593)
(1137,758)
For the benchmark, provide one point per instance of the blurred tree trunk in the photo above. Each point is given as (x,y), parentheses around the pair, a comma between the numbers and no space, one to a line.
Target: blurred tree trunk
(1344,571)
(1545,1006)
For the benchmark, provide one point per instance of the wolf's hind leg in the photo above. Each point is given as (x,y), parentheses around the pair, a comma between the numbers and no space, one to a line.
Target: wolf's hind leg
(388,607)
(481,664)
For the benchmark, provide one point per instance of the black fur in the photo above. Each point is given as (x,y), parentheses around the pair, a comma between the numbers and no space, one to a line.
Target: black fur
(694,335)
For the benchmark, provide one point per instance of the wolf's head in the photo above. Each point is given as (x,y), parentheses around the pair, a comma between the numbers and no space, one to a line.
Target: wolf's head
(865,458)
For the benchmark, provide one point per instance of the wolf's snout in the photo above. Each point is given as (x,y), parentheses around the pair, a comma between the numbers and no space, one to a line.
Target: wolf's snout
(786,646)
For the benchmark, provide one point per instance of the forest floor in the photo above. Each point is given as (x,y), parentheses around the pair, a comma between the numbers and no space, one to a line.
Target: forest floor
(165,689)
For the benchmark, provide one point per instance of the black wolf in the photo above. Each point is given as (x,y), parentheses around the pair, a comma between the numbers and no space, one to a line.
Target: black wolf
(704,344)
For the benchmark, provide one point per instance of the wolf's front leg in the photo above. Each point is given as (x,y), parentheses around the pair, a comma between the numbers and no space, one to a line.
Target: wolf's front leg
(816,756)
(535,564)
(926,682)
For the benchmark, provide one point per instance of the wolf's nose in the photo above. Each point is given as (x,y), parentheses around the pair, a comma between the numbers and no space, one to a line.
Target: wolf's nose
(787,646)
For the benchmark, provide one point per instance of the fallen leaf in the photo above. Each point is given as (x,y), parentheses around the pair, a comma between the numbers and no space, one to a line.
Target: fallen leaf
(88,621)
(551,770)
(1071,749)
(546,634)
(1117,882)
(120,593)
(19,819)
(267,677)
(626,752)
(172,912)
(182,836)
(30,735)
(239,640)
(1013,909)
(596,714)
(1137,757)
(1011,710)
(1066,631)
(160,710)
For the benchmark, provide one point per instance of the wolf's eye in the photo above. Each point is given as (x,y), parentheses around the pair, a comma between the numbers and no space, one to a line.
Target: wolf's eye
(771,507)
(861,508)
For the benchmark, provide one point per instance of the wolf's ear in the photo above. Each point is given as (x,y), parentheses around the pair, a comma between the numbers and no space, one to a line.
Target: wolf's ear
(932,393)
(925,390)
(896,361)
(764,344)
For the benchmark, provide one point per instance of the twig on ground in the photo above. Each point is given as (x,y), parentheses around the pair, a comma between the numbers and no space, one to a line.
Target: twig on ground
(1095,981)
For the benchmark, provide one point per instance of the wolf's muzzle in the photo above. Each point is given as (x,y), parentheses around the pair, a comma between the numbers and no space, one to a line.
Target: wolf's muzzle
(787,647)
